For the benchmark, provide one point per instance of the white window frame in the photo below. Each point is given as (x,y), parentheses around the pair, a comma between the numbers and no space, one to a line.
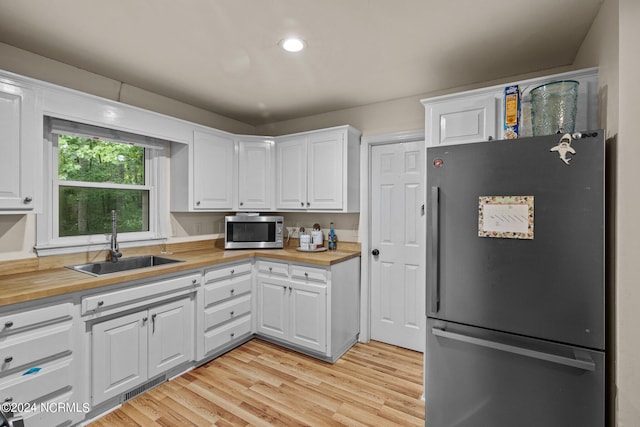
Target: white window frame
(48,240)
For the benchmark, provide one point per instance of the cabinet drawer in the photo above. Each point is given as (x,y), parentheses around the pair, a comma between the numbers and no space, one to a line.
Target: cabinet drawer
(53,415)
(273,268)
(227,333)
(10,322)
(228,310)
(136,293)
(309,273)
(28,347)
(225,289)
(21,387)
(227,272)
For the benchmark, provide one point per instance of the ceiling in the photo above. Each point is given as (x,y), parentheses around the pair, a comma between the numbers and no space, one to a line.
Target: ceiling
(223,55)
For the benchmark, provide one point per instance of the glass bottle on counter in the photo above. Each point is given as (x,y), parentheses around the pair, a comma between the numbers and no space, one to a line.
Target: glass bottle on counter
(332,239)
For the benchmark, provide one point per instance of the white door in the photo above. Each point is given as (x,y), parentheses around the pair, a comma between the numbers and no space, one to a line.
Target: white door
(325,156)
(291,178)
(397,237)
(309,316)
(170,336)
(213,171)
(273,307)
(119,357)
(255,175)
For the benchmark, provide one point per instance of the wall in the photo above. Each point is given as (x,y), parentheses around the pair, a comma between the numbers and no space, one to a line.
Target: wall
(612,42)
(628,229)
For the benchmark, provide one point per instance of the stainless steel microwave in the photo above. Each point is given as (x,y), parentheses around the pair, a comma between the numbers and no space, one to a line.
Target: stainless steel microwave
(253,231)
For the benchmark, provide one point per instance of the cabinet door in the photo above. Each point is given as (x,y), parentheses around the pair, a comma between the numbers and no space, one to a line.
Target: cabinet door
(170,332)
(463,120)
(325,171)
(119,355)
(273,307)
(309,316)
(213,169)
(255,175)
(18,139)
(291,182)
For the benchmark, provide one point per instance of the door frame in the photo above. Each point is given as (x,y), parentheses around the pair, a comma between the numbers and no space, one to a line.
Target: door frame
(365,217)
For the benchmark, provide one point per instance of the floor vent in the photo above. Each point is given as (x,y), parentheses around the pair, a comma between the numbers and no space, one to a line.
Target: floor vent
(144,387)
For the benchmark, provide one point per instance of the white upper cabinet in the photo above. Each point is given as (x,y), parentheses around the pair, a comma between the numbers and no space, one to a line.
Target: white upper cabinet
(202,173)
(21,142)
(256,180)
(467,119)
(291,181)
(478,115)
(319,170)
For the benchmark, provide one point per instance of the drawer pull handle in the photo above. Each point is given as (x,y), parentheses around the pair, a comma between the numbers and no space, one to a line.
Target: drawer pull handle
(100,303)
(232,313)
(270,268)
(8,359)
(233,334)
(194,281)
(144,320)
(233,271)
(232,291)
(8,324)
(306,275)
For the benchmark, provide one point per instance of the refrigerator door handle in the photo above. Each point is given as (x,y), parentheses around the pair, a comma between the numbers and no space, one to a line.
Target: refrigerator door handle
(582,361)
(435,247)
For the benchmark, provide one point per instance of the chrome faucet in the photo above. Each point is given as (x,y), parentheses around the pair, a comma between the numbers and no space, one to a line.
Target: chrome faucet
(115,252)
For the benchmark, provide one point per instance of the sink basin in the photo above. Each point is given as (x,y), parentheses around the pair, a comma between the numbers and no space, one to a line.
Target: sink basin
(123,264)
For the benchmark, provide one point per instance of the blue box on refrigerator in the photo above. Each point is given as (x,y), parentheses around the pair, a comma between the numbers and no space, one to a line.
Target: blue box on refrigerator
(511,112)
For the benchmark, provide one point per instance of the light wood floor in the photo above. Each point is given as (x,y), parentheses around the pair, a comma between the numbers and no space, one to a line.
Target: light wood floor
(261,384)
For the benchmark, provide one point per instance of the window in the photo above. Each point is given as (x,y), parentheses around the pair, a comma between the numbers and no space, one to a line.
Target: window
(94,171)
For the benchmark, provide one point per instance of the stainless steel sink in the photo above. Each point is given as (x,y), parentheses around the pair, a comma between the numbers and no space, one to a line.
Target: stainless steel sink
(123,264)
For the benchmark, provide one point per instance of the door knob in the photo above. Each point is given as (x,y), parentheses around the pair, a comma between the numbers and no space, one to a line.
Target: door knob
(375,252)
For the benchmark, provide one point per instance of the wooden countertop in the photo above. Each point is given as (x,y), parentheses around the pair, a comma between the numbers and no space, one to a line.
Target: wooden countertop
(32,285)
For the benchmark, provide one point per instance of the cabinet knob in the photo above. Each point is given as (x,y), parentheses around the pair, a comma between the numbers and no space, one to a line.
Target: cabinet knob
(489,138)
(232,291)
(375,252)
(308,204)
(232,334)
(8,359)
(8,324)
(144,320)
(241,203)
(28,199)
(231,313)
(194,281)
(270,268)
(198,203)
(233,271)
(100,303)
(302,204)
(306,275)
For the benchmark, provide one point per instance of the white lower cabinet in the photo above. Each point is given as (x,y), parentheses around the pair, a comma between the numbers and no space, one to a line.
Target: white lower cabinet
(226,308)
(309,308)
(39,363)
(128,350)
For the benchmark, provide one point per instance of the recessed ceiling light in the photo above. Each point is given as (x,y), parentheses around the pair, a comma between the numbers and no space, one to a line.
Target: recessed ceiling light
(292,44)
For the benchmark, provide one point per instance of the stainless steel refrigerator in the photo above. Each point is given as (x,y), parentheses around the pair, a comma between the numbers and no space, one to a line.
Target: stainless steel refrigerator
(516,283)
